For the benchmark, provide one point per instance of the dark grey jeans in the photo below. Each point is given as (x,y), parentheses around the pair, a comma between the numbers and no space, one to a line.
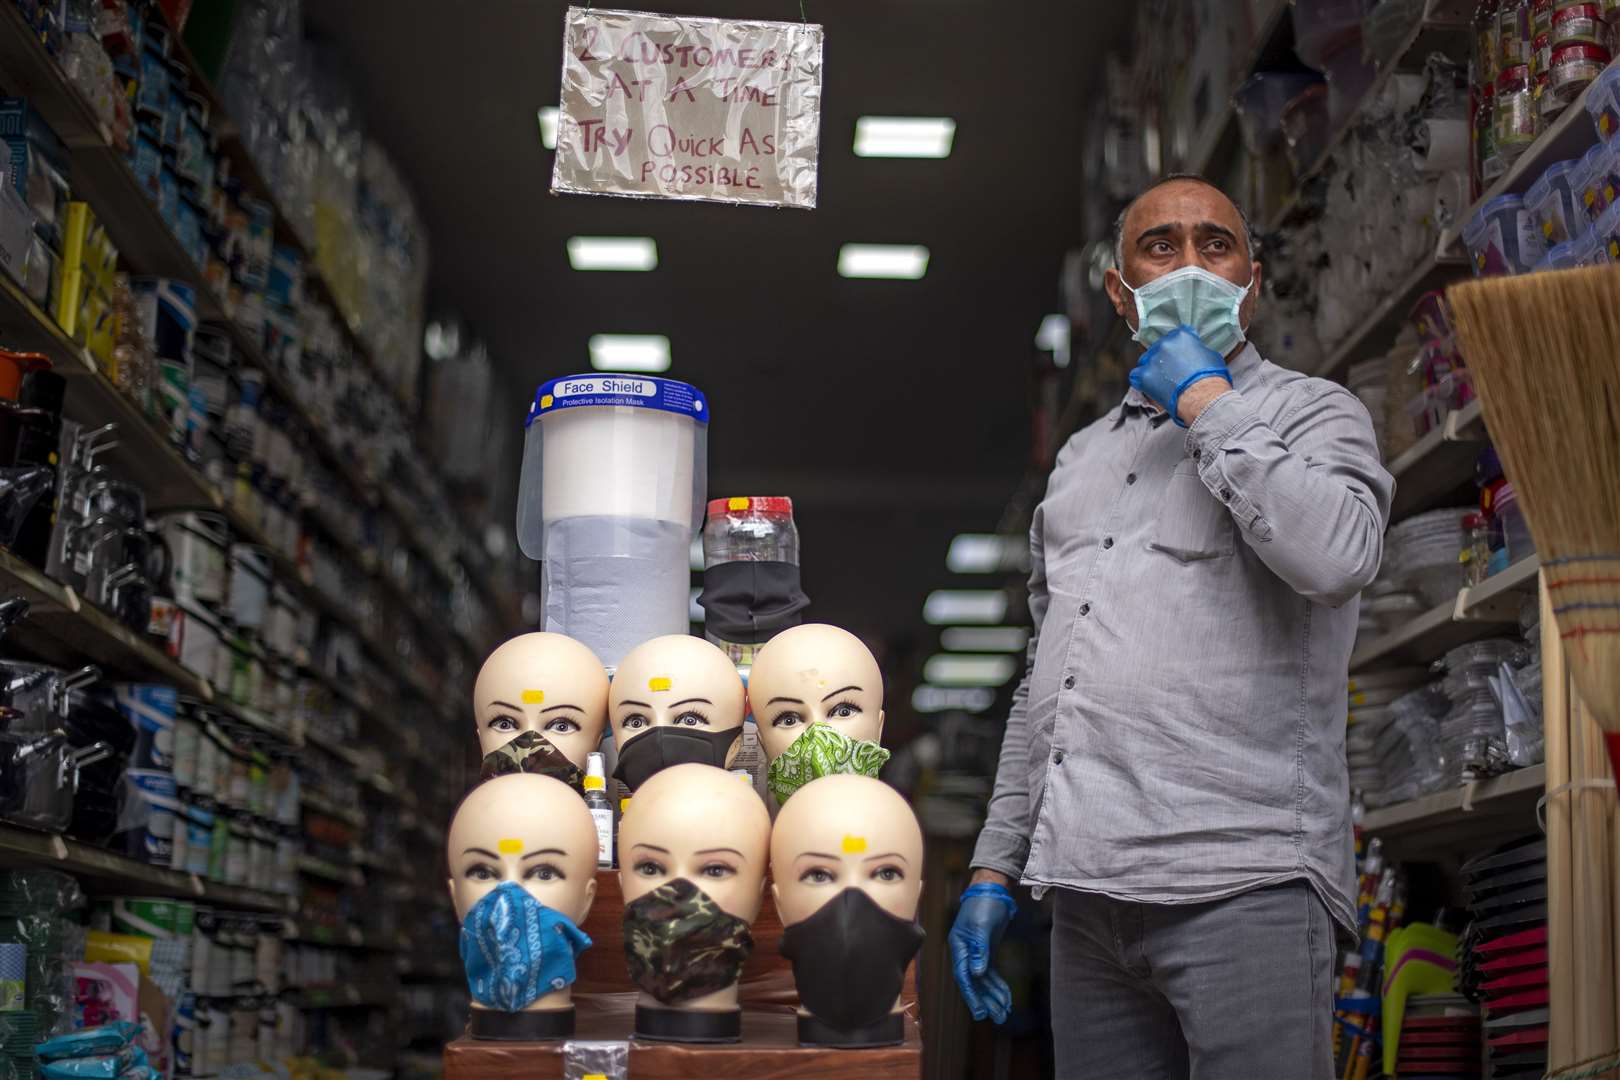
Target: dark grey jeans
(1234,989)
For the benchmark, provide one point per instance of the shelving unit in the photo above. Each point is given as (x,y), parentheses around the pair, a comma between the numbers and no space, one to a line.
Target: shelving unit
(1377,330)
(1478,612)
(1463,819)
(1438,465)
(27,848)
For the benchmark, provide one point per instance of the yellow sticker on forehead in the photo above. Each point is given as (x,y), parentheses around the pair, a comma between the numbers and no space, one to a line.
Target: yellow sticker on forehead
(660,682)
(509,847)
(534,697)
(854,845)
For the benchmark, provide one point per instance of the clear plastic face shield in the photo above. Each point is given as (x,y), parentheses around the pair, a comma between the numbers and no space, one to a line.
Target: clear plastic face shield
(612,490)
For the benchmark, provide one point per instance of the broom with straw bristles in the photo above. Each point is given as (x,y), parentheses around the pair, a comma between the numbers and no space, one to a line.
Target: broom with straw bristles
(1544,350)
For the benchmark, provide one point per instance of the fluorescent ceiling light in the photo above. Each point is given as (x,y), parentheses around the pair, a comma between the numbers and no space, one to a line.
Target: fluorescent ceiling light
(612,253)
(933,699)
(990,639)
(694,610)
(548,126)
(947,607)
(1053,336)
(904,136)
(638,353)
(905,261)
(986,553)
(959,669)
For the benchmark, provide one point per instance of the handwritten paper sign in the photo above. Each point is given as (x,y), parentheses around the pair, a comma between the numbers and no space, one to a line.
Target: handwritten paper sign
(662,106)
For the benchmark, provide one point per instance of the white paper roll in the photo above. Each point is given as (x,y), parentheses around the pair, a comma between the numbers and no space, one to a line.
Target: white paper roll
(1447,146)
(1402,93)
(617,462)
(1450,199)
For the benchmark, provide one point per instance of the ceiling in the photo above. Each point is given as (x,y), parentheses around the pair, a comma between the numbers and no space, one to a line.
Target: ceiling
(896,414)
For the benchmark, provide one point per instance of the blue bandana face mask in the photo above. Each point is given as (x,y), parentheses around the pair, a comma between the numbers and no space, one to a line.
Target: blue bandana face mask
(1190,296)
(516,950)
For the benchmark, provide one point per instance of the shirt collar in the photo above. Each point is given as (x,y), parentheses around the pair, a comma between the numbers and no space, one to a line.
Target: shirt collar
(1241,366)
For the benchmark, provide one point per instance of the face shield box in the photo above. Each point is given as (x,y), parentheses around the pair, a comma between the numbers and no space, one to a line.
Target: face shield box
(612,490)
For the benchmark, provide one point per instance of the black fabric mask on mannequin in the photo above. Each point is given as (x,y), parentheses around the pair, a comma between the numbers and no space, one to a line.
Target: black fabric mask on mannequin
(849,959)
(662,747)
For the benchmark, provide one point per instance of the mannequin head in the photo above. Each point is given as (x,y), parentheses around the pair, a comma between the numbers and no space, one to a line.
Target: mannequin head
(677,682)
(843,832)
(542,682)
(811,674)
(700,823)
(530,830)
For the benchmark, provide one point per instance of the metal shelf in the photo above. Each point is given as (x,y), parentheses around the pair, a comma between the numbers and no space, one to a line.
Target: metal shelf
(1462,819)
(340,997)
(1220,134)
(23,847)
(1569,136)
(1478,612)
(1376,331)
(322,805)
(1438,464)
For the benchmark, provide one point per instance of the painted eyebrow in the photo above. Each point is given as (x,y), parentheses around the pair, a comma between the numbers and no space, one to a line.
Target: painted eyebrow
(481,851)
(641,704)
(690,701)
(817,855)
(845,690)
(889,855)
(652,847)
(543,851)
(506,705)
(554,708)
(789,700)
(719,851)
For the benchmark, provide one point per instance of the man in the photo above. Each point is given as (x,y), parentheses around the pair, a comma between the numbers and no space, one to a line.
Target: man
(1173,765)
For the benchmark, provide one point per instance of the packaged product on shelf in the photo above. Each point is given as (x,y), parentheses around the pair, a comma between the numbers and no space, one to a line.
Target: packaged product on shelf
(1577,24)
(1517,119)
(1503,238)
(1551,199)
(1573,68)
(1603,102)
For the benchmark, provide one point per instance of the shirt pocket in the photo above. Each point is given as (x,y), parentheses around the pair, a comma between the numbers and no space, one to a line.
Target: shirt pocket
(1192,525)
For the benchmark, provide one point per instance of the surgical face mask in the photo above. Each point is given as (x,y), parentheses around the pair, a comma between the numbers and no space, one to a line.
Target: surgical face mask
(849,959)
(662,747)
(822,750)
(516,950)
(531,752)
(1190,296)
(680,945)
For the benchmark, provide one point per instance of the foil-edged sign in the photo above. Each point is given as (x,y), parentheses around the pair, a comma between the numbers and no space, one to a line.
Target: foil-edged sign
(670,107)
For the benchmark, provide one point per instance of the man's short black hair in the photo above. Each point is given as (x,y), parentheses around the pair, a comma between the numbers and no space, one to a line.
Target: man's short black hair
(1170,178)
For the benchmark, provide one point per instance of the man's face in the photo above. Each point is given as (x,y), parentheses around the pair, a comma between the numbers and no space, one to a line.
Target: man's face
(1182,223)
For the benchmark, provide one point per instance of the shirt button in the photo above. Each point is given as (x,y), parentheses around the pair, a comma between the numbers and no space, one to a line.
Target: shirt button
(1197,455)
(1226,494)
(1057,757)
(1068,683)
(1108,542)
(1085,609)
(1130,478)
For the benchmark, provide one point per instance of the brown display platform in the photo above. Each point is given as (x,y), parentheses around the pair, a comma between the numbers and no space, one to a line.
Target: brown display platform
(769,1051)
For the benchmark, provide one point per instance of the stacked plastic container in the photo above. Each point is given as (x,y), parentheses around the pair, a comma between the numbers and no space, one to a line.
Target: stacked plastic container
(1473,736)
(1422,554)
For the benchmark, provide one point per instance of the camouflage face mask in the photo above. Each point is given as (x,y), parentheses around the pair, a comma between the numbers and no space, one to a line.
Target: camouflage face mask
(681,945)
(531,752)
(822,751)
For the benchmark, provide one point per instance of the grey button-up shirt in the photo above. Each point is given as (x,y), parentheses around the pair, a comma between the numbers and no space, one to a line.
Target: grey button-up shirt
(1179,732)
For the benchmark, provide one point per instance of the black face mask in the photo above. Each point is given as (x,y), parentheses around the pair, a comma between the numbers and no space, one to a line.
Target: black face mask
(849,959)
(662,747)
(749,602)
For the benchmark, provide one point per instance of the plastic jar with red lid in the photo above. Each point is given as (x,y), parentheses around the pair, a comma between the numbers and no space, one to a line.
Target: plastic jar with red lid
(1517,122)
(1573,67)
(1577,24)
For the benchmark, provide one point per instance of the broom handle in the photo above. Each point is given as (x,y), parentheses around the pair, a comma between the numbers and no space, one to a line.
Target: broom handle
(1560,914)
(1594,883)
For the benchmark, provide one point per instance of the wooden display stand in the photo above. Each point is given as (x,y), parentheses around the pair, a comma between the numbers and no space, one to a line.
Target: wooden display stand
(604,1002)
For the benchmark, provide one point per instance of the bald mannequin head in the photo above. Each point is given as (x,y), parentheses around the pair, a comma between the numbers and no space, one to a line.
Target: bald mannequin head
(700,823)
(842,832)
(527,829)
(811,674)
(675,681)
(548,683)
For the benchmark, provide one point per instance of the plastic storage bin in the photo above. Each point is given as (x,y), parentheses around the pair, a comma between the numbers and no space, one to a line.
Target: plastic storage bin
(1515,529)
(1503,238)
(1348,77)
(1605,241)
(1260,102)
(1323,26)
(1603,103)
(1552,201)
(1565,256)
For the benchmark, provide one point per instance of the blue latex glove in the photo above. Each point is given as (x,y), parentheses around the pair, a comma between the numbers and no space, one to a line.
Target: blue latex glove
(1175,362)
(986,909)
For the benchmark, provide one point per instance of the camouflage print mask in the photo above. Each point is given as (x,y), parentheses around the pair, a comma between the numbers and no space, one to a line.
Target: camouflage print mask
(822,750)
(681,945)
(531,752)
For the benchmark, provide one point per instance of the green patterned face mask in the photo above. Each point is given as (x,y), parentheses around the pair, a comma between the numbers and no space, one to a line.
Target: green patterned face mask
(823,750)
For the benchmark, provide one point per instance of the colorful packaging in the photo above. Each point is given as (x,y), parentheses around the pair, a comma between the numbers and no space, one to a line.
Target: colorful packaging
(1552,201)
(1503,238)
(1603,103)
(150,710)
